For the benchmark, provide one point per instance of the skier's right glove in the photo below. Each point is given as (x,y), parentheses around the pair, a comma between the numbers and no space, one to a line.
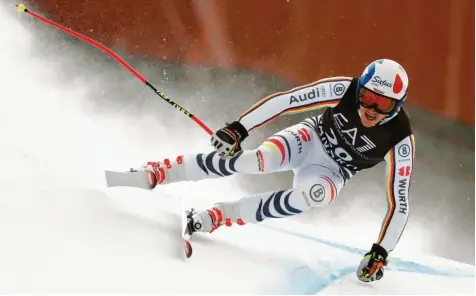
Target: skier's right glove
(227,141)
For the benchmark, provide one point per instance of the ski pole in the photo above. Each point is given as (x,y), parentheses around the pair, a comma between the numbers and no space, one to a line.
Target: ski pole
(22,8)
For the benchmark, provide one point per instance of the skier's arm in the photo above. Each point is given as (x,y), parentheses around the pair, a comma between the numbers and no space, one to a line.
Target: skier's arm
(322,93)
(399,166)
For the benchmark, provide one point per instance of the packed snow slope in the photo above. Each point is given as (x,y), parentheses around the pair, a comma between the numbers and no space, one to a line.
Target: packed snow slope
(63,231)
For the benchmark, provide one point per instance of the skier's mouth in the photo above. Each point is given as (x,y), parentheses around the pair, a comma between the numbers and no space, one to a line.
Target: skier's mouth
(369,116)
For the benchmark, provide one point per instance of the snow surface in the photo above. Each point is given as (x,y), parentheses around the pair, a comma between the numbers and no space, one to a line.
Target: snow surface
(62,231)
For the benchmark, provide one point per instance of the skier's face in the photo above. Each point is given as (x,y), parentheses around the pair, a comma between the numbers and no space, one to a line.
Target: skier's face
(374,107)
(369,117)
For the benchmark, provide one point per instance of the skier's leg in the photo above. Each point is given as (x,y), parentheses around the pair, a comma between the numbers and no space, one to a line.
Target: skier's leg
(315,185)
(284,150)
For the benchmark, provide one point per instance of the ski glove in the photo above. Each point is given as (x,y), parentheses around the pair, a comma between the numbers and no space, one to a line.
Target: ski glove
(371,267)
(227,141)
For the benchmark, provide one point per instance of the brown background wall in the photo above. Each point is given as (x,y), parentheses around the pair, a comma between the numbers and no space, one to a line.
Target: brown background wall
(298,40)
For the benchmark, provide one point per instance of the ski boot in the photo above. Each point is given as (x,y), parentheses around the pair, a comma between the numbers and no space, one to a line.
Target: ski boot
(205,221)
(213,218)
(156,173)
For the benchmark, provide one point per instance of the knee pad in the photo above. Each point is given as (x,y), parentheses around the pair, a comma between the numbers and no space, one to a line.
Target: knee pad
(318,192)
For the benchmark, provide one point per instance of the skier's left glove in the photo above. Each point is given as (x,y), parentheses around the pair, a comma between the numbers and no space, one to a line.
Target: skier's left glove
(227,141)
(371,267)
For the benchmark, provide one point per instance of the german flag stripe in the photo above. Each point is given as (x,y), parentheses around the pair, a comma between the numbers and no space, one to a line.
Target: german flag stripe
(412,144)
(330,103)
(264,100)
(280,147)
(333,188)
(390,196)
(287,146)
(272,147)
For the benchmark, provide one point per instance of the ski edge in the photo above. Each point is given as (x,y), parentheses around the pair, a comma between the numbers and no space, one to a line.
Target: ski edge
(186,236)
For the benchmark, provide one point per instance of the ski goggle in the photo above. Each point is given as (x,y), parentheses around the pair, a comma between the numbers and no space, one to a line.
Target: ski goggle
(380,104)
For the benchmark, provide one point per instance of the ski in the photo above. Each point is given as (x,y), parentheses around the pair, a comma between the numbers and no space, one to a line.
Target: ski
(143,179)
(186,233)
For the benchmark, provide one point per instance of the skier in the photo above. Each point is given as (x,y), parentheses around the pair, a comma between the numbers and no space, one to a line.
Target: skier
(364,124)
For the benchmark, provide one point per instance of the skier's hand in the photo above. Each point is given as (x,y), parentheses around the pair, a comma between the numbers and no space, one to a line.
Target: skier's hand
(228,139)
(371,267)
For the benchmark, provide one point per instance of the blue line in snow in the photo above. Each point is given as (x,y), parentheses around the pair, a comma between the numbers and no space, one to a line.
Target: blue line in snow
(307,282)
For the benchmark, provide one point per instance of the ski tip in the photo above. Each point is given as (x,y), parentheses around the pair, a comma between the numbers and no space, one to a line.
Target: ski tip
(187,248)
